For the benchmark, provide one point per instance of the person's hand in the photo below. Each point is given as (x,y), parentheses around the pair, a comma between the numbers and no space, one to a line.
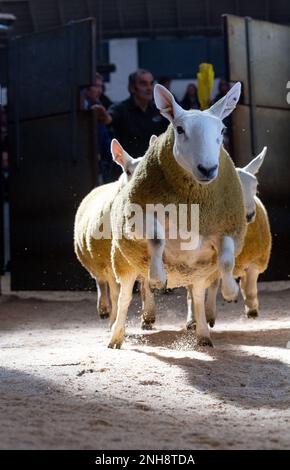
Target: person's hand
(101,113)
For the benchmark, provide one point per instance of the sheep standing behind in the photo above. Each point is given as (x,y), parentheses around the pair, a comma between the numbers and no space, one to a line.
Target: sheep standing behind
(185,165)
(94,250)
(254,258)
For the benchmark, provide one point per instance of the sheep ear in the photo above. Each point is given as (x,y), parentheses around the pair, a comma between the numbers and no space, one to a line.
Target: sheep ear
(152,139)
(225,106)
(254,166)
(119,155)
(166,103)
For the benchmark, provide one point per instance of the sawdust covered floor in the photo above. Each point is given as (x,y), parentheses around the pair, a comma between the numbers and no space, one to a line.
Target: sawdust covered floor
(61,388)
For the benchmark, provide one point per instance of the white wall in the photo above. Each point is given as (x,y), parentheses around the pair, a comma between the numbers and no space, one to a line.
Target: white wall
(124,54)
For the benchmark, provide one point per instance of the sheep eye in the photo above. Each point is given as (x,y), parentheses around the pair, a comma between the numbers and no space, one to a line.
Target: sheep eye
(180,130)
(128,173)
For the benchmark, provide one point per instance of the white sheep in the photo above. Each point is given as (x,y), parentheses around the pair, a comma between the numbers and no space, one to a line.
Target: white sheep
(93,250)
(185,165)
(254,258)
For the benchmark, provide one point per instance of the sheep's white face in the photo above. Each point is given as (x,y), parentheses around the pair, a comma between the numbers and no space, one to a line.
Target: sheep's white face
(130,167)
(122,158)
(198,134)
(198,138)
(250,184)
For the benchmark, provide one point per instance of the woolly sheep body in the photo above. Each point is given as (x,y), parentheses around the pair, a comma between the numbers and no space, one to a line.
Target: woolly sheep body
(257,245)
(93,252)
(160,180)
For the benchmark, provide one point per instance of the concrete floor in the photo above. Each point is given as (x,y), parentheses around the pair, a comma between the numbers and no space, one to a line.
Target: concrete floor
(61,388)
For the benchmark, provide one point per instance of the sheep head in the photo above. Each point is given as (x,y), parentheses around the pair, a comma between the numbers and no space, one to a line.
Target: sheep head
(198,135)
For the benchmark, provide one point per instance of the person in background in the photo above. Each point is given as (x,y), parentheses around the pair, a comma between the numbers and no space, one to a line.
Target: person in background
(190,100)
(92,101)
(104,99)
(135,119)
(223,88)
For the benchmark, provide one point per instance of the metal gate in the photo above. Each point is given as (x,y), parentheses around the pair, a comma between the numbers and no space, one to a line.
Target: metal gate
(1,215)
(3,83)
(52,153)
(258,55)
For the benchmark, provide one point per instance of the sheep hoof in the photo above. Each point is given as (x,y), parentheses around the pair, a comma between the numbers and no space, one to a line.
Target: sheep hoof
(146,325)
(211,323)
(116,339)
(204,341)
(104,312)
(115,344)
(103,316)
(191,325)
(252,313)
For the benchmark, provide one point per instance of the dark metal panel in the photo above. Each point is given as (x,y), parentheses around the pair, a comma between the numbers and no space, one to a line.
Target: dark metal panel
(1,218)
(47,188)
(52,156)
(3,67)
(270,51)
(274,177)
(41,72)
(272,131)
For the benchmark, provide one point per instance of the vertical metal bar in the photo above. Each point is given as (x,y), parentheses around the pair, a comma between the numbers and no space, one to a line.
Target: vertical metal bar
(251,83)
(93,120)
(2,268)
(225,27)
(14,79)
(73,91)
(100,30)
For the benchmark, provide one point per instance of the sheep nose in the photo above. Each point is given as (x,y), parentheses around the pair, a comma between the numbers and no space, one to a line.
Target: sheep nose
(207,172)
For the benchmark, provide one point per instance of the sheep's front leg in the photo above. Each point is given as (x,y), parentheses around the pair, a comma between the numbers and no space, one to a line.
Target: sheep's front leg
(202,331)
(103,305)
(210,303)
(230,289)
(210,306)
(148,306)
(114,295)
(190,320)
(125,296)
(249,290)
(156,245)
